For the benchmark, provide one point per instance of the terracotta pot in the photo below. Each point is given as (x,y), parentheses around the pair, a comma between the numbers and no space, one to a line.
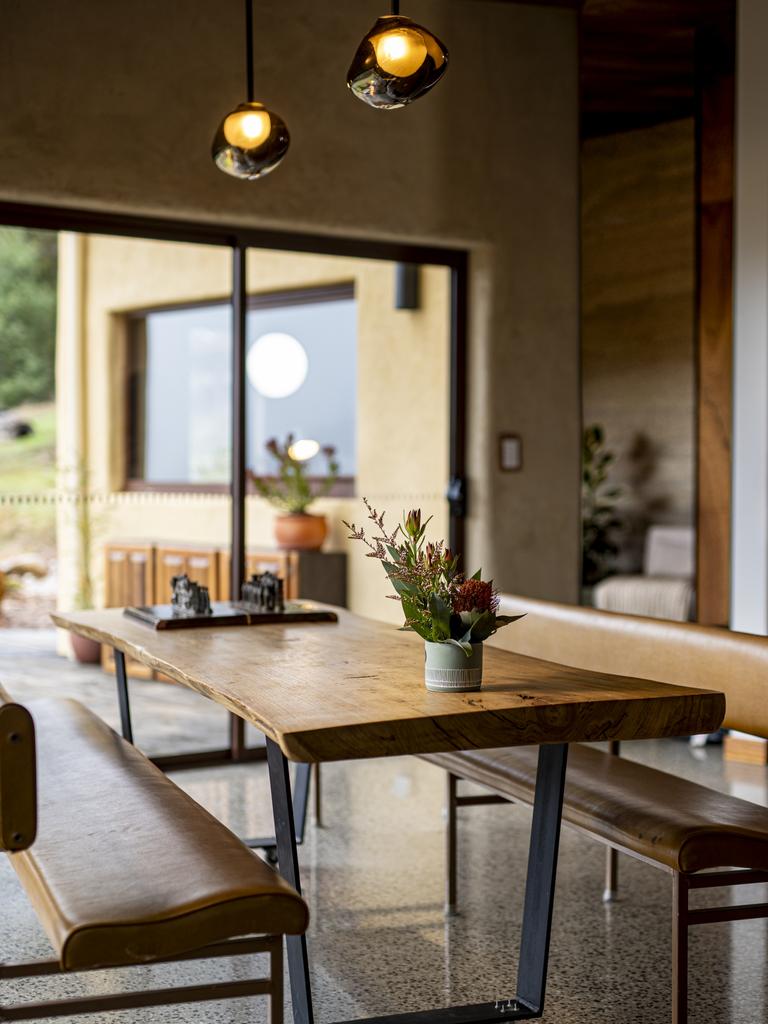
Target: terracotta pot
(300,532)
(85,650)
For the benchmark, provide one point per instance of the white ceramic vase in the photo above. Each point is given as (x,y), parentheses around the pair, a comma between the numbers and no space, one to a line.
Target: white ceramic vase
(447,669)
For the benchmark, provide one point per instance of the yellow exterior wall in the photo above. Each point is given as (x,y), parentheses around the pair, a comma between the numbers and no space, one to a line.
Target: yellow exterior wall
(402,397)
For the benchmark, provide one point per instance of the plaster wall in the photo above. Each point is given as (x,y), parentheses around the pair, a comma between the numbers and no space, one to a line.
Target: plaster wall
(119,115)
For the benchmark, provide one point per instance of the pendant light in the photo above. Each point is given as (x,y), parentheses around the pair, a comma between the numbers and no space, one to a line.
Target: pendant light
(251,140)
(396,63)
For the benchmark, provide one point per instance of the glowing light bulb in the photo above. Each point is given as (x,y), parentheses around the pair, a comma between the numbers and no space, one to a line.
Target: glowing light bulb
(396,63)
(247,128)
(251,141)
(304,450)
(400,52)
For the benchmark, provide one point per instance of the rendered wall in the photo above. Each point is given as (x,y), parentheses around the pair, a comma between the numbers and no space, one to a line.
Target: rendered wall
(119,115)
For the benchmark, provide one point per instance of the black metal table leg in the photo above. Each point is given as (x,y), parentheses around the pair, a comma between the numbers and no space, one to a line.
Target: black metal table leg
(285,831)
(301,799)
(300,805)
(236,753)
(121,677)
(528,1004)
(540,880)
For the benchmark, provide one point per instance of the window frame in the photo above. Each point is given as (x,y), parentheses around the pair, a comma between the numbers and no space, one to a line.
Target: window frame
(238,238)
(343,486)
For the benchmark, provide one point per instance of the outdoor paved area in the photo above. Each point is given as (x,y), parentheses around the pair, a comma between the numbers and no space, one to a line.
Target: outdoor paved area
(373,876)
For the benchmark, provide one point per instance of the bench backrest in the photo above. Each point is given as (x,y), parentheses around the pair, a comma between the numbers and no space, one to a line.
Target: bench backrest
(18,776)
(668,652)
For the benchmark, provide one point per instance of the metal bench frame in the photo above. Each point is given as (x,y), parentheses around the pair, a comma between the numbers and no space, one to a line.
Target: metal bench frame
(683,915)
(17,755)
(271,986)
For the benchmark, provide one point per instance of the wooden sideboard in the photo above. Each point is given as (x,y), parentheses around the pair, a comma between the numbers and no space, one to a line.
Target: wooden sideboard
(140,573)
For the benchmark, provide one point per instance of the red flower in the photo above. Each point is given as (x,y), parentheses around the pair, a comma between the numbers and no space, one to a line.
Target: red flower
(475,596)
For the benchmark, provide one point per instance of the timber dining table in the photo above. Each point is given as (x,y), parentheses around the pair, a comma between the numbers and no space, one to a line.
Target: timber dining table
(355,689)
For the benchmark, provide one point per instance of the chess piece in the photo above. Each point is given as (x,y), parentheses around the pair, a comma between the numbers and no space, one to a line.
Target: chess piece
(263,592)
(189,598)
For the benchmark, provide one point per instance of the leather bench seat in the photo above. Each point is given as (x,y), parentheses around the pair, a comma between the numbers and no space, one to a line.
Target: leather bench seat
(667,819)
(126,867)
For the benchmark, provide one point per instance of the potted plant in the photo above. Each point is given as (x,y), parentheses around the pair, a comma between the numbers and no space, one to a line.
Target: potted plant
(452,613)
(292,491)
(600,523)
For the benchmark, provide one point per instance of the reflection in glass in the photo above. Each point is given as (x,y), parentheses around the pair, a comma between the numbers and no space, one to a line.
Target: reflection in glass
(396,63)
(324,407)
(277,365)
(180,384)
(179,388)
(304,449)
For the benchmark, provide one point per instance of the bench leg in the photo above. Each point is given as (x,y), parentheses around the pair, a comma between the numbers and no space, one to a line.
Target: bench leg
(287,855)
(318,799)
(451,875)
(679,949)
(611,890)
(276,981)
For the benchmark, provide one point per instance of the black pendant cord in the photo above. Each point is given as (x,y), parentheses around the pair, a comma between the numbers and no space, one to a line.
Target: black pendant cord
(395,7)
(249,49)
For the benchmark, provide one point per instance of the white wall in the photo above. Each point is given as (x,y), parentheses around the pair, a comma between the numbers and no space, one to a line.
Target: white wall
(749,600)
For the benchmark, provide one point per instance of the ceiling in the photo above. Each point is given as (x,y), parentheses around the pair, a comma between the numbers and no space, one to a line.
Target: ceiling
(637,58)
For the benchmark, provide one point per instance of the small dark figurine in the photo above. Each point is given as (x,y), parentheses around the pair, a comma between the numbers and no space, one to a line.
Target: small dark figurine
(189,598)
(264,592)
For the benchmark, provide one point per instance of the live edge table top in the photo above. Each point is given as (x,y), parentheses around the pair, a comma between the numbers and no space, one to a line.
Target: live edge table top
(355,689)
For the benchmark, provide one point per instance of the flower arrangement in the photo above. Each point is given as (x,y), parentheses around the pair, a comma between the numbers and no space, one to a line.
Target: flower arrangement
(440,603)
(291,489)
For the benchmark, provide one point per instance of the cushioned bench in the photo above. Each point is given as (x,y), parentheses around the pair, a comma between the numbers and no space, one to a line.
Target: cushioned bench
(702,837)
(122,867)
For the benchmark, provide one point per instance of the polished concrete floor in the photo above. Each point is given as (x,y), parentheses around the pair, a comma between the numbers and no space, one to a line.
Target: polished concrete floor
(373,876)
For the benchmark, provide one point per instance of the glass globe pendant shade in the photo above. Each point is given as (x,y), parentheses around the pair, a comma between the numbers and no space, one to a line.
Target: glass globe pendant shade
(250,141)
(396,63)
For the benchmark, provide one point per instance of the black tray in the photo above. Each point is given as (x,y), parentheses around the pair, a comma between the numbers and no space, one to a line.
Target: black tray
(227,613)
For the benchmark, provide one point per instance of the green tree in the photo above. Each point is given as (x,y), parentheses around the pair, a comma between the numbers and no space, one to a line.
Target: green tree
(27,315)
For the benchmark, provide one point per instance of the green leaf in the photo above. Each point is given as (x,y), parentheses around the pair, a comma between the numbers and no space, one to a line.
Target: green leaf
(403,588)
(478,575)
(504,620)
(483,626)
(441,616)
(466,647)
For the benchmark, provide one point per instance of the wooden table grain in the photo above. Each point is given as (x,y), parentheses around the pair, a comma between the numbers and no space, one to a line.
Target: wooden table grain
(355,689)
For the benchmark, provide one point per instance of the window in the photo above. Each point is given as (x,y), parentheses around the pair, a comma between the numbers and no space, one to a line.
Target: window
(301,373)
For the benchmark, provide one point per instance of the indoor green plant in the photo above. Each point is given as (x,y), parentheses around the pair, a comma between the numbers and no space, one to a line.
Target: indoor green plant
(451,612)
(600,523)
(293,491)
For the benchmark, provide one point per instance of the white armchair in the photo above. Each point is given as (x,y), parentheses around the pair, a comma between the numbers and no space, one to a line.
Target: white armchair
(665,589)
